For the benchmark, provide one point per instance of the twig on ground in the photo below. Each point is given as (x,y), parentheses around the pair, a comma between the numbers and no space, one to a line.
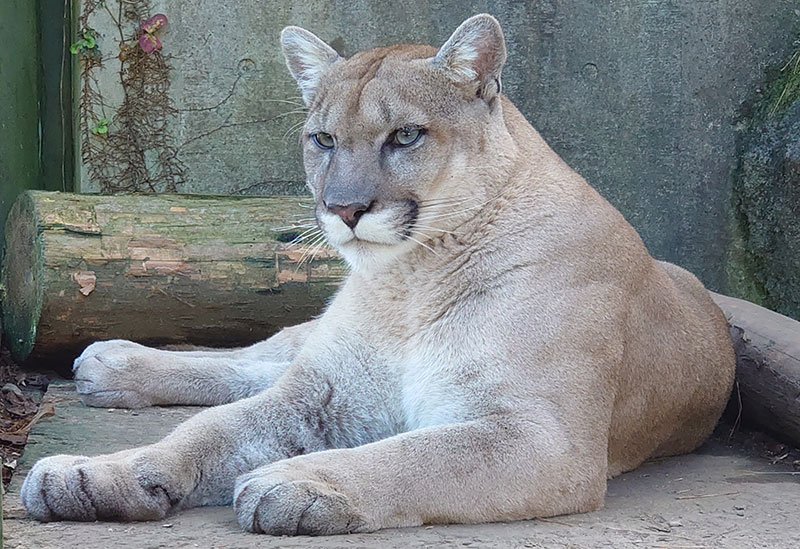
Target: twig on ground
(702,496)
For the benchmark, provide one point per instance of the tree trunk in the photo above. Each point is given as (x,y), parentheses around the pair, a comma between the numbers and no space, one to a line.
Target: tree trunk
(767,348)
(214,271)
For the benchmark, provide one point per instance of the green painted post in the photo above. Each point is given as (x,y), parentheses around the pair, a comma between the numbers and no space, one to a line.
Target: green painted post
(55,95)
(19,101)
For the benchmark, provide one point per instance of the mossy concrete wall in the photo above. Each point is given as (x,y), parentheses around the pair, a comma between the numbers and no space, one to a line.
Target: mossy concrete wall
(764,263)
(642,97)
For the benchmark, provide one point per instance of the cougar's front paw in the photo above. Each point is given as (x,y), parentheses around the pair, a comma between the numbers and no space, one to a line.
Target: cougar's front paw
(88,489)
(108,374)
(281,500)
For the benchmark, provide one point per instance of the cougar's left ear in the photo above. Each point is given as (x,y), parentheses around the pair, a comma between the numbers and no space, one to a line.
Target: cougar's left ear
(307,58)
(474,55)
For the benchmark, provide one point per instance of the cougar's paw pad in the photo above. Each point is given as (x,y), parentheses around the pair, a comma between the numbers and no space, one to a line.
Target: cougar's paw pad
(278,502)
(87,489)
(108,374)
(46,492)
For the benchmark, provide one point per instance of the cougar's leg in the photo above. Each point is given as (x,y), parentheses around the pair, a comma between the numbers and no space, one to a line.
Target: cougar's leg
(120,373)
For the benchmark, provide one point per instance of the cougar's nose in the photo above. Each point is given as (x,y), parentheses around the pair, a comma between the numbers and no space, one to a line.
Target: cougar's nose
(350,213)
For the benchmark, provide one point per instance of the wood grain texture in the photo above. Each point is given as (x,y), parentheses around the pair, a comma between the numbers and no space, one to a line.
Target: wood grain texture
(767,346)
(177,269)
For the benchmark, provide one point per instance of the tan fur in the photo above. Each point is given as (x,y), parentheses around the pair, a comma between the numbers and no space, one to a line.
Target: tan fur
(504,344)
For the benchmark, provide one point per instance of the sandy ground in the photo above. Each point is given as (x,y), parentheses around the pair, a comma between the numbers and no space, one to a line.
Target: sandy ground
(723,495)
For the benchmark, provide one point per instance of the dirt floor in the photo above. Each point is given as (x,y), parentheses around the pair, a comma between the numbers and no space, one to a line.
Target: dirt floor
(738,493)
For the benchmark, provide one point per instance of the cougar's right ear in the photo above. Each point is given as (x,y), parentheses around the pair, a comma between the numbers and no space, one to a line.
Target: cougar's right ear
(307,58)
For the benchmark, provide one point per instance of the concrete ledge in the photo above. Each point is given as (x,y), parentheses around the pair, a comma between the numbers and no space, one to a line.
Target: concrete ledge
(717,497)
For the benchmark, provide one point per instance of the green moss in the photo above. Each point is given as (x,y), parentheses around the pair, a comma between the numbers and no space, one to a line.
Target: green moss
(784,88)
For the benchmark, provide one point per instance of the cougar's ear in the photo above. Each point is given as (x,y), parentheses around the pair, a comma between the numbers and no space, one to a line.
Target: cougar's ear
(474,55)
(307,58)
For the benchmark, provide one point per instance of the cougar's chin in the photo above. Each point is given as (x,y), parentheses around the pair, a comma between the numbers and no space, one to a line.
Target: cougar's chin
(363,255)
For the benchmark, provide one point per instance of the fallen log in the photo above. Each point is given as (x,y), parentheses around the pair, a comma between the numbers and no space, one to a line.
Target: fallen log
(767,346)
(214,271)
(217,271)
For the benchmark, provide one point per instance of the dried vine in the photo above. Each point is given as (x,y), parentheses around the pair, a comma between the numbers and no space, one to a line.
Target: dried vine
(128,150)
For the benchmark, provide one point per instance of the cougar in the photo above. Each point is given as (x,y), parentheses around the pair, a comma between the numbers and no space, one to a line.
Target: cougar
(503,345)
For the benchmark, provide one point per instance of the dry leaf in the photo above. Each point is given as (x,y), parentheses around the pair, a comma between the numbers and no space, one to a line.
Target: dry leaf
(86,280)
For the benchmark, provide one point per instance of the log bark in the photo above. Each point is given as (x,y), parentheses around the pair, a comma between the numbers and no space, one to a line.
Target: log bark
(767,346)
(213,271)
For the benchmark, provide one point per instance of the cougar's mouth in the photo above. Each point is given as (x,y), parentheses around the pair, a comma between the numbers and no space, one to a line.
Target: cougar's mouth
(384,225)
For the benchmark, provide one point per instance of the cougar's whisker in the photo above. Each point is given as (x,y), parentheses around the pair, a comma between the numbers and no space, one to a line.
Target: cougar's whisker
(285,101)
(319,240)
(290,227)
(310,233)
(293,129)
(459,212)
(411,238)
(316,250)
(445,200)
(434,229)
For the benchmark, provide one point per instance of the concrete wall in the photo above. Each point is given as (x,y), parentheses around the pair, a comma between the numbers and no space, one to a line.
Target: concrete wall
(640,96)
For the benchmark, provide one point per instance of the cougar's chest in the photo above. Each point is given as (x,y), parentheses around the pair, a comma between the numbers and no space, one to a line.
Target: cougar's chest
(430,395)
(426,322)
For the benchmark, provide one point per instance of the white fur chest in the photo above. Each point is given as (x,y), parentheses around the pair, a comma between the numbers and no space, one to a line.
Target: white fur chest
(430,394)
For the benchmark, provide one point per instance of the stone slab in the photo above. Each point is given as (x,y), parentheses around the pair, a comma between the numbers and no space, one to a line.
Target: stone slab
(717,497)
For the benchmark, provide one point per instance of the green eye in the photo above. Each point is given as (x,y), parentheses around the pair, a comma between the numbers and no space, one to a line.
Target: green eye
(405,137)
(323,140)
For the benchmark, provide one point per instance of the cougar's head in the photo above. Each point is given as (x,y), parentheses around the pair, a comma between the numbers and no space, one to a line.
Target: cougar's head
(395,135)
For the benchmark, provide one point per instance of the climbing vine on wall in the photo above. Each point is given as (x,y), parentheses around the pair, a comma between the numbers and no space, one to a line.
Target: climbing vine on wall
(127,148)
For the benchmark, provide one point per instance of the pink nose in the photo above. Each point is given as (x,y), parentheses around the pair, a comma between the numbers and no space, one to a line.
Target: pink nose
(350,214)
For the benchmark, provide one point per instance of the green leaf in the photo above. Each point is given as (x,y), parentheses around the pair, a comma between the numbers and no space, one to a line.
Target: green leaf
(89,40)
(101,127)
(75,48)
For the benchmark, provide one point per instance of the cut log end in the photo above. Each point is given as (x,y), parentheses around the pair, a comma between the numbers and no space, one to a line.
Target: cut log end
(21,277)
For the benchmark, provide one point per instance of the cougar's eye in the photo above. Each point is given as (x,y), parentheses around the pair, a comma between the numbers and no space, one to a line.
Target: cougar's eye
(323,140)
(405,137)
